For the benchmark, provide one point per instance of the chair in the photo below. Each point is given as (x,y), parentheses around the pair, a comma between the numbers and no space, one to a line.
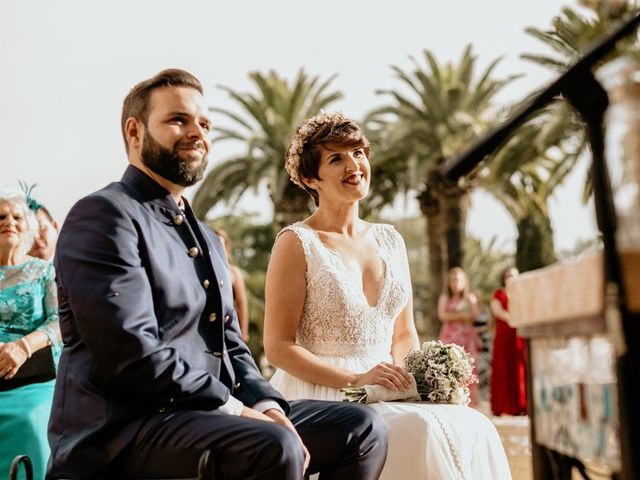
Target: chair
(15,467)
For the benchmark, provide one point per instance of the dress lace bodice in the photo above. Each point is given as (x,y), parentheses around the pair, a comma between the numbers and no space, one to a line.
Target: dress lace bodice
(337,320)
(28,301)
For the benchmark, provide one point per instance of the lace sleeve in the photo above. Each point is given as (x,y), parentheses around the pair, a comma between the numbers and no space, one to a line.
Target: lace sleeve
(50,326)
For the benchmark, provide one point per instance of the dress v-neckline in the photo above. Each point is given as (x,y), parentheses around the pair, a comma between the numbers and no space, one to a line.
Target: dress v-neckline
(338,256)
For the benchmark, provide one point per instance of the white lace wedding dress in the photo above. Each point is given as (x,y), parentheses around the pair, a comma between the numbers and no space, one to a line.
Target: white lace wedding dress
(426,441)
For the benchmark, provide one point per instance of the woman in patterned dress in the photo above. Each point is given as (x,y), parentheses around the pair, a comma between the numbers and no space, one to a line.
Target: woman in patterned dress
(457,310)
(28,323)
(339,312)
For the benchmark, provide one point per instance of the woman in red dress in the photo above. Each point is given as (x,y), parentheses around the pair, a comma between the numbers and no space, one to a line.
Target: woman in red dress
(508,385)
(457,310)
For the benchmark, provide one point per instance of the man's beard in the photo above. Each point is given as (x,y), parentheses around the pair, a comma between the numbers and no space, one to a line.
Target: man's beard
(168,164)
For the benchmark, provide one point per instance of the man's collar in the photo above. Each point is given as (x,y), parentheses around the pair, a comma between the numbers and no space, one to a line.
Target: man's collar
(148,189)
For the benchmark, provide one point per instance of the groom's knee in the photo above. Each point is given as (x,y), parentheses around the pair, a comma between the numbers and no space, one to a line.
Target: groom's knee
(373,426)
(282,453)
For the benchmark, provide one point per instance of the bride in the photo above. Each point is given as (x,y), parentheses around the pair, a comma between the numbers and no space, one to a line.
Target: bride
(339,312)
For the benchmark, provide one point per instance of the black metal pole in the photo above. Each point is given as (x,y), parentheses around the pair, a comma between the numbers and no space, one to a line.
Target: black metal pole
(590,100)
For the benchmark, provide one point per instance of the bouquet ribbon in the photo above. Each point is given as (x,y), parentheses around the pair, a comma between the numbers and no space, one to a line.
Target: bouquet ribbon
(378,393)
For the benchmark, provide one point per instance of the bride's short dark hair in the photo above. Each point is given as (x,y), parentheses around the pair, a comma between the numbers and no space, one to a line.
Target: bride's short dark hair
(303,154)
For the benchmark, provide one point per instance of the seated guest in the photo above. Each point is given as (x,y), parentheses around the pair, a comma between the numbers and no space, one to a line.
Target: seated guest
(44,244)
(28,323)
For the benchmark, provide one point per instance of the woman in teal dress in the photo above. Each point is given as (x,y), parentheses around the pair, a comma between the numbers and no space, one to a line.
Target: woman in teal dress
(28,323)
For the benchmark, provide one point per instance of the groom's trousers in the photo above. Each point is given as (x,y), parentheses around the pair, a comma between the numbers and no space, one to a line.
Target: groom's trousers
(346,441)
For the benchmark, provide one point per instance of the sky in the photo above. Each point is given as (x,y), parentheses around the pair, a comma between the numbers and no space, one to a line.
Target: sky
(67,65)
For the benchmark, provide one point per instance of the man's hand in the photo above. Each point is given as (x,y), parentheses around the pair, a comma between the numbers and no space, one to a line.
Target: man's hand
(256,415)
(280,418)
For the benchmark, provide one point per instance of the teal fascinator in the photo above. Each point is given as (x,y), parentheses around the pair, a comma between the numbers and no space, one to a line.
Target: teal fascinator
(32,203)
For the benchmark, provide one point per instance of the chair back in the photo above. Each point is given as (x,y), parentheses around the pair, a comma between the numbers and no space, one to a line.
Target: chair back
(15,467)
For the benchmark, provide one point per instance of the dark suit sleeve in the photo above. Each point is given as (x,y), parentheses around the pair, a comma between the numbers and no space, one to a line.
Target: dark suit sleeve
(252,385)
(108,292)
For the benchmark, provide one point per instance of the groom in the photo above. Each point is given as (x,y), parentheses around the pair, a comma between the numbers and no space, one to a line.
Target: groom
(154,369)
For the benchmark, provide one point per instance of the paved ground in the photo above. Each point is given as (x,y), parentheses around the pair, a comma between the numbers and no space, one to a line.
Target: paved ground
(514,433)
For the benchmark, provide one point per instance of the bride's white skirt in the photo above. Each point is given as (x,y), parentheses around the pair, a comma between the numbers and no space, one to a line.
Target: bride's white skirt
(426,441)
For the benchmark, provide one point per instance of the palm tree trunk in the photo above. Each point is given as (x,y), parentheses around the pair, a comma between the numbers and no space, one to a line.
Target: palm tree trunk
(457,203)
(293,206)
(431,207)
(445,208)
(534,246)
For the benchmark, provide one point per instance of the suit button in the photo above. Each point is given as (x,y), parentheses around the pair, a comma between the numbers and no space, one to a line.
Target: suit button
(205,283)
(178,220)
(216,354)
(193,252)
(221,284)
(227,318)
(213,317)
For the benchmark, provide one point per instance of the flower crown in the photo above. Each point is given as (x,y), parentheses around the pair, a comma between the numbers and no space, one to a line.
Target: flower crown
(304,132)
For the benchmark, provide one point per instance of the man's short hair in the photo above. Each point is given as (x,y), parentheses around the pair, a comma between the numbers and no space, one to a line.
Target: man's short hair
(136,103)
(45,212)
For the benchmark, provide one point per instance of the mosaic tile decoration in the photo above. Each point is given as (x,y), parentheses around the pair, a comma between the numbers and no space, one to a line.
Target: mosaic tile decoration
(575,398)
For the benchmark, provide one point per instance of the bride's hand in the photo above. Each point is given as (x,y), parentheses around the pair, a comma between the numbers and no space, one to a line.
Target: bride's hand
(386,374)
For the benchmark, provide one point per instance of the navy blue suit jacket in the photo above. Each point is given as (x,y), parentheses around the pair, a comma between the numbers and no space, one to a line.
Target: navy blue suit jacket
(147,319)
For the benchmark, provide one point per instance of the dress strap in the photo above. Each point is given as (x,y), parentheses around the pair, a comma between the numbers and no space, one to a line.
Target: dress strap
(388,238)
(304,234)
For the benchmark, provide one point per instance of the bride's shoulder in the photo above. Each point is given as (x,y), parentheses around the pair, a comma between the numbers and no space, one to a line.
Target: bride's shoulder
(294,237)
(288,250)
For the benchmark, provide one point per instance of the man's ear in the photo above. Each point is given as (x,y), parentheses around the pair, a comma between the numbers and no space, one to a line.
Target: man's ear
(134,131)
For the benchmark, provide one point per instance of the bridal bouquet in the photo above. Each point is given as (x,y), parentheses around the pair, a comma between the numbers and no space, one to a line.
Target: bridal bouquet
(442,374)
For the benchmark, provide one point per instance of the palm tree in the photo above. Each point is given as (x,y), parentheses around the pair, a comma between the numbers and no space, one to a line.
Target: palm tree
(484,264)
(523,175)
(268,121)
(447,107)
(571,33)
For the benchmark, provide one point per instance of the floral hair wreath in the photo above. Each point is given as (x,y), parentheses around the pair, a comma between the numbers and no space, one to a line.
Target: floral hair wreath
(304,132)
(32,203)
